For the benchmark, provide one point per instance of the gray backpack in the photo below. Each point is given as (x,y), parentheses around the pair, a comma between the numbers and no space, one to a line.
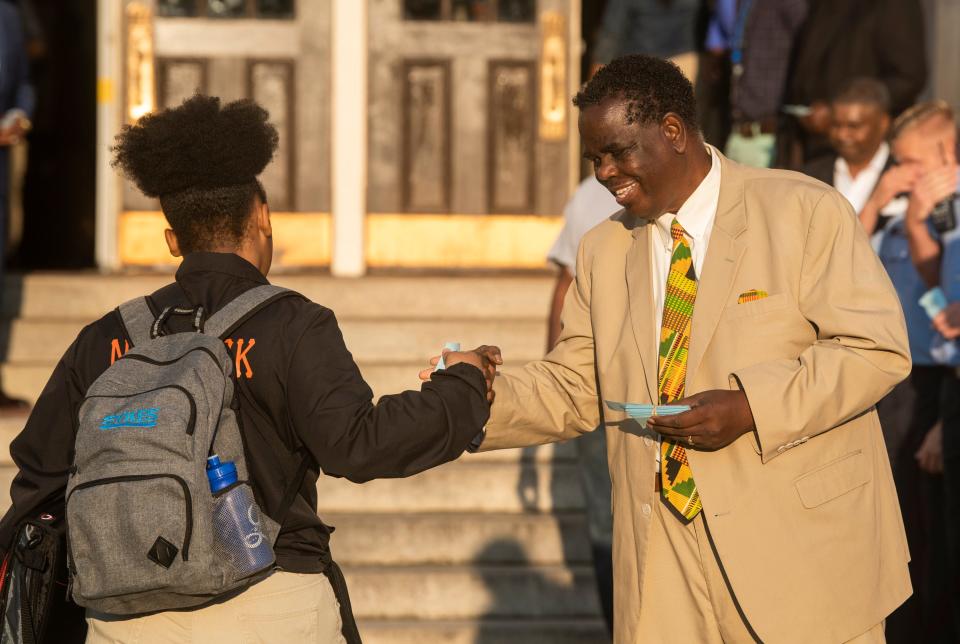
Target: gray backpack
(138,503)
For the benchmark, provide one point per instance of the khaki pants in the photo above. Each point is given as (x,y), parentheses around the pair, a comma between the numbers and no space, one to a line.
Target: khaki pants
(679,557)
(285,608)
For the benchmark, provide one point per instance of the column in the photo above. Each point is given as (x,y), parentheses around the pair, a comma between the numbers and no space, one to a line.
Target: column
(109,84)
(349,136)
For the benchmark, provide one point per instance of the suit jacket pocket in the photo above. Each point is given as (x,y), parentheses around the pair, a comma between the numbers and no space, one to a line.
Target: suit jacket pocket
(756,307)
(834,479)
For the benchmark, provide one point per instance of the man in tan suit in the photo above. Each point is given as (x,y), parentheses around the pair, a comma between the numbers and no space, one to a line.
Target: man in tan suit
(796,333)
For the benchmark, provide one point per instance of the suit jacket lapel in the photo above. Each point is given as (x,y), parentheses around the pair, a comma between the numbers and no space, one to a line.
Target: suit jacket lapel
(642,307)
(720,265)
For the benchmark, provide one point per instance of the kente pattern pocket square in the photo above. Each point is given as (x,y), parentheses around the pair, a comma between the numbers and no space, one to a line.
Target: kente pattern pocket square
(751,296)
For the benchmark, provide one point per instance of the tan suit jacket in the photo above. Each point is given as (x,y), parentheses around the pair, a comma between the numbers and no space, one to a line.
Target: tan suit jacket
(803,512)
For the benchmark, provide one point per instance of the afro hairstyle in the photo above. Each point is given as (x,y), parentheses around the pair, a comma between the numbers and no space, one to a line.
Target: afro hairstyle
(652,86)
(202,160)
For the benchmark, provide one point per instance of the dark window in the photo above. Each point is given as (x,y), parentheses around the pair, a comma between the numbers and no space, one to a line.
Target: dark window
(275,8)
(226,8)
(422,9)
(177,8)
(471,10)
(516,10)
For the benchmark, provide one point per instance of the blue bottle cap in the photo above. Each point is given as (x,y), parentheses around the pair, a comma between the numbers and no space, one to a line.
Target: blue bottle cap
(220,475)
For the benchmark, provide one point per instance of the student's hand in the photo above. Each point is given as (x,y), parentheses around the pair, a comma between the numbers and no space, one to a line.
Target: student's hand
(897,180)
(932,188)
(716,419)
(930,455)
(485,358)
(947,321)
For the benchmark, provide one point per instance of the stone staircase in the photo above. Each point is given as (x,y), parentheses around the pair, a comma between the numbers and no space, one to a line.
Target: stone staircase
(491,548)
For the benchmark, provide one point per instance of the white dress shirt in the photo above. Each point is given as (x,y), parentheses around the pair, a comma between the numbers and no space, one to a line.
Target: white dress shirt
(858,189)
(696,215)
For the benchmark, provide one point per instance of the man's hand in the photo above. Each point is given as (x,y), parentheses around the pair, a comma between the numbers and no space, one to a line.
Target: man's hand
(947,321)
(897,180)
(818,120)
(13,134)
(931,188)
(485,358)
(930,455)
(716,419)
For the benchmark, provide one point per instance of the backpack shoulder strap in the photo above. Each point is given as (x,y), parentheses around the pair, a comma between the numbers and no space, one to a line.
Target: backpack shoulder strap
(242,307)
(137,318)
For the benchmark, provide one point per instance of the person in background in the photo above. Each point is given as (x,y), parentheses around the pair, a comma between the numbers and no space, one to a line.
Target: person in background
(758,36)
(16,109)
(661,28)
(860,122)
(840,41)
(920,417)
(590,204)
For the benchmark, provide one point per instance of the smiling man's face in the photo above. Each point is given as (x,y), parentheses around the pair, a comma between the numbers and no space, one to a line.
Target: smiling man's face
(637,163)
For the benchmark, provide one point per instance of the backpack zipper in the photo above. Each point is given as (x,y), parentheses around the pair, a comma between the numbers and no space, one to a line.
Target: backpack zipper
(161,363)
(188,501)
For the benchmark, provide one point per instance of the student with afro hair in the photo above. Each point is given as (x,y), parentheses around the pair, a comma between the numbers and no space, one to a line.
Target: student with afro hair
(303,406)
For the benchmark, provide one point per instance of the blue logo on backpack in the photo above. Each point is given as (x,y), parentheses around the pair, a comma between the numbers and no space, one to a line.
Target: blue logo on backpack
(143,418)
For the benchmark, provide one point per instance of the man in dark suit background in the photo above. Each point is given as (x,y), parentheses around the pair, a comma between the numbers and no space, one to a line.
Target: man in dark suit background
(859,123)
(882,39)
(16,109)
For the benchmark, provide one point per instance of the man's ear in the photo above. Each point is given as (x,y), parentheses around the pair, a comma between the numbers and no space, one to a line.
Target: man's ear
(263,220)
(674,131)
(172,242)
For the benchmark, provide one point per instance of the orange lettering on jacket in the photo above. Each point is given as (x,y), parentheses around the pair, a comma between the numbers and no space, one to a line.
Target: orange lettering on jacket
(115,352)
(240,348)
(240,356)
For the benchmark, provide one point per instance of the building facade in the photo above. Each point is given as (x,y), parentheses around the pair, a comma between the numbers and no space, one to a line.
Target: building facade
(413,133)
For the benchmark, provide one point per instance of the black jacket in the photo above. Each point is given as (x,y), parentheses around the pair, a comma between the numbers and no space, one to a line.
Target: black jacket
(300,394)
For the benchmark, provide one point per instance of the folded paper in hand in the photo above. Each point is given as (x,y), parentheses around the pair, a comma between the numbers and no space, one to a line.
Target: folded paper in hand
(642,412)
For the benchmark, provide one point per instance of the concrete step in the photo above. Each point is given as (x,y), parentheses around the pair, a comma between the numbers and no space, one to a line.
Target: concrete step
(458,539)
(485,631)
(461,486)
(90,295)
(387,340)
(454,593)
(25,380)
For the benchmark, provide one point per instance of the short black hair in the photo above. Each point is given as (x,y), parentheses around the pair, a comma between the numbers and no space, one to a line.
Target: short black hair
(653,87)
(866,91)
(202,161)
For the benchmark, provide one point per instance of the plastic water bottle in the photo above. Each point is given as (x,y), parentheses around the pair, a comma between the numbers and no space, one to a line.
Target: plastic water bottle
(237,528)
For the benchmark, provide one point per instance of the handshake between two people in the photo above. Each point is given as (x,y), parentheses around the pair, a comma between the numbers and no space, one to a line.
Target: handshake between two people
(485,358)
(715,419)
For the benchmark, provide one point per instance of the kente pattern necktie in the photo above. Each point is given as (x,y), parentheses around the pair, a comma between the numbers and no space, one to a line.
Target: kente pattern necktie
(677,488)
